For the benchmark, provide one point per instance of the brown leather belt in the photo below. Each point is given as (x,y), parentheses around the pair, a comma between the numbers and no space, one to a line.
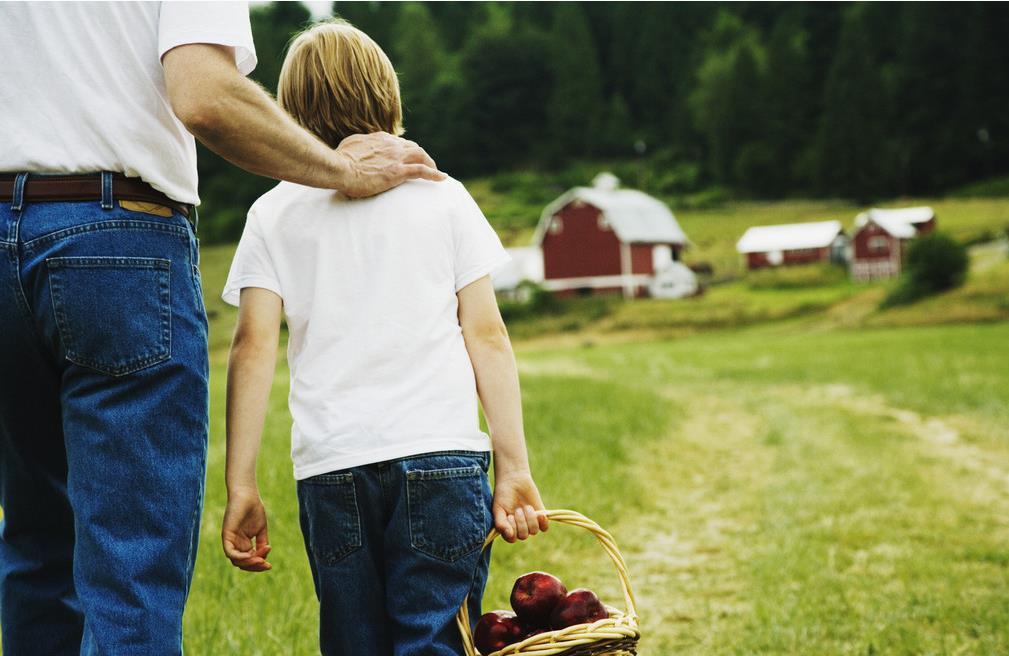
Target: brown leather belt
(88,186)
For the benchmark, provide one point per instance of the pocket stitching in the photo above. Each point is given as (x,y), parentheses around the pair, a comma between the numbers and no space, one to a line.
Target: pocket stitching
(331,479)
(441,474)
(163,353)
(332,558)
(415,517)
(114,224)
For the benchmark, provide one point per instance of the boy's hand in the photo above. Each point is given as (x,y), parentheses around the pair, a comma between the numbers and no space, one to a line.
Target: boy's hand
(518,508)
(244,537)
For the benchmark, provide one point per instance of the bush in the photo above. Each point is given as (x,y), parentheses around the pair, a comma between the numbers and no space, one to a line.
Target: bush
(538,302)
(990,188)
(934,263)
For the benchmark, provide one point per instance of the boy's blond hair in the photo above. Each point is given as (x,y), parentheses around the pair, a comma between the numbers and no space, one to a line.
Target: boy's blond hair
(336,81)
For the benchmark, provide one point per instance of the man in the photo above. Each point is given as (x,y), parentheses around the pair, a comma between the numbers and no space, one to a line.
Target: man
(103,355)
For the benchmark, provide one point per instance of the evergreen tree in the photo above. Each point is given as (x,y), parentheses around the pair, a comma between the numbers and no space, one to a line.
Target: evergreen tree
(983,89)
(617,133)
(273,26)
(576,97)
(852,155)
(377,19)
(931,39)
(457,20)
(662,42)
(788,94)
(420,59)
(505,85)
(873,99)
(726,103)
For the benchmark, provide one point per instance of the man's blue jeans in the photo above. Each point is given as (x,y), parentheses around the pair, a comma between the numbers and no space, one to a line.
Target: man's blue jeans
(103,427)
(395,547)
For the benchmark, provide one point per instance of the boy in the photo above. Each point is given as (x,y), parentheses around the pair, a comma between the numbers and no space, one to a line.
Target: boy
(394,331)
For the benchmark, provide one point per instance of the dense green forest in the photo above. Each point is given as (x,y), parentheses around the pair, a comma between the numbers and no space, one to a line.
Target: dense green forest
(861,100)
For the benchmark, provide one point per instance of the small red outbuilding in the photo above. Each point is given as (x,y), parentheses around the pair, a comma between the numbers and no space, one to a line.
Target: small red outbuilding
(880,240)
(605,239)
(792,243)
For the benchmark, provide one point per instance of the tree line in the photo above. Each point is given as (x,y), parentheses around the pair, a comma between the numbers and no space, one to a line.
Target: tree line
(855,100)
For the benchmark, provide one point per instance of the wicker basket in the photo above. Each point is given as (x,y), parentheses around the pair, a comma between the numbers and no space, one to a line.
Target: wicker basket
(616,635)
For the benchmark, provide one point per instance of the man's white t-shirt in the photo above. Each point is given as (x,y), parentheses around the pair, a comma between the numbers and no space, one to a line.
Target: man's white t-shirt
(82,88)
(379,369)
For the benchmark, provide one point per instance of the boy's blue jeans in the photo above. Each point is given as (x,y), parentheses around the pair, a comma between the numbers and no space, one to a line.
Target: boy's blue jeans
(395,547)
(103,428)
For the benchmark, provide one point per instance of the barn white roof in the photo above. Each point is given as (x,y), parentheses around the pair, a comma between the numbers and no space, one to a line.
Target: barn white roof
(789,236)
(910,215)
(895,227)
(635,216)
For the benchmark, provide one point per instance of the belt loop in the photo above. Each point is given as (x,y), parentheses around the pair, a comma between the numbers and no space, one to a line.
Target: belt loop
(196,218)
(106,190)
(18,197)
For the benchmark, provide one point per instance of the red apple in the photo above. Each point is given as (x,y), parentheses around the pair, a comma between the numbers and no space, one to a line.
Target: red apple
(580,606)
(530,632)
(496,630)
(535,595)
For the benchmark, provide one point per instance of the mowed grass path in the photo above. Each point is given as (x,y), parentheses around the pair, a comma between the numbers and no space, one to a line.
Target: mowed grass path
(774,492)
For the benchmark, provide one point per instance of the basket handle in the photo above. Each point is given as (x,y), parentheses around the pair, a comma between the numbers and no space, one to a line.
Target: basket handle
(563,517)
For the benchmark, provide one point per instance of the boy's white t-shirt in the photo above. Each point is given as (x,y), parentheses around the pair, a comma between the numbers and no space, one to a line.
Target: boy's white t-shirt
(379,369)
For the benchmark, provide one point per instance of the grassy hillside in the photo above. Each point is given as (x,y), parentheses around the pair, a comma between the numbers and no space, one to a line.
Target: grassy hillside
(770,296)
(822,303)
(513,203)
(776,301)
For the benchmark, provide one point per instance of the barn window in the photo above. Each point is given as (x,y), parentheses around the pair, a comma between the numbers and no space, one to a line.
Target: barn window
(556,225)
(603,223)
(878,244)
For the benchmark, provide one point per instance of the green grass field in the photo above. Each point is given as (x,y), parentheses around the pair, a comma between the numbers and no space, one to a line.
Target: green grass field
(831,493)
(788,471)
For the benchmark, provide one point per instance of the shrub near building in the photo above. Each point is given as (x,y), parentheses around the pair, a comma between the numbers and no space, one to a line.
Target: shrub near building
(935,263)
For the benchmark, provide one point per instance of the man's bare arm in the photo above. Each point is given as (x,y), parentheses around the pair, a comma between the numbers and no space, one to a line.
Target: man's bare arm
(237,119)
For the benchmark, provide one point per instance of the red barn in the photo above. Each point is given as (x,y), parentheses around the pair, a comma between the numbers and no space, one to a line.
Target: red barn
(605,239)
(792,243)
(881,237)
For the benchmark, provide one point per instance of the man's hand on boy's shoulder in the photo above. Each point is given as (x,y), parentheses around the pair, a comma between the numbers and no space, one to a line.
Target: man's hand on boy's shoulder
(380,161)
(518,509)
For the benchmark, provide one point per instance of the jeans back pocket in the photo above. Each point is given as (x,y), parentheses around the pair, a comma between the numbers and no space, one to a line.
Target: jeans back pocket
(449,511)
(114,314)
(330,519)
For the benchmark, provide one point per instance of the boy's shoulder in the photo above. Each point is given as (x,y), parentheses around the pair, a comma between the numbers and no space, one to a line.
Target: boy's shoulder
(286,196)
(282,196)
(448,190)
